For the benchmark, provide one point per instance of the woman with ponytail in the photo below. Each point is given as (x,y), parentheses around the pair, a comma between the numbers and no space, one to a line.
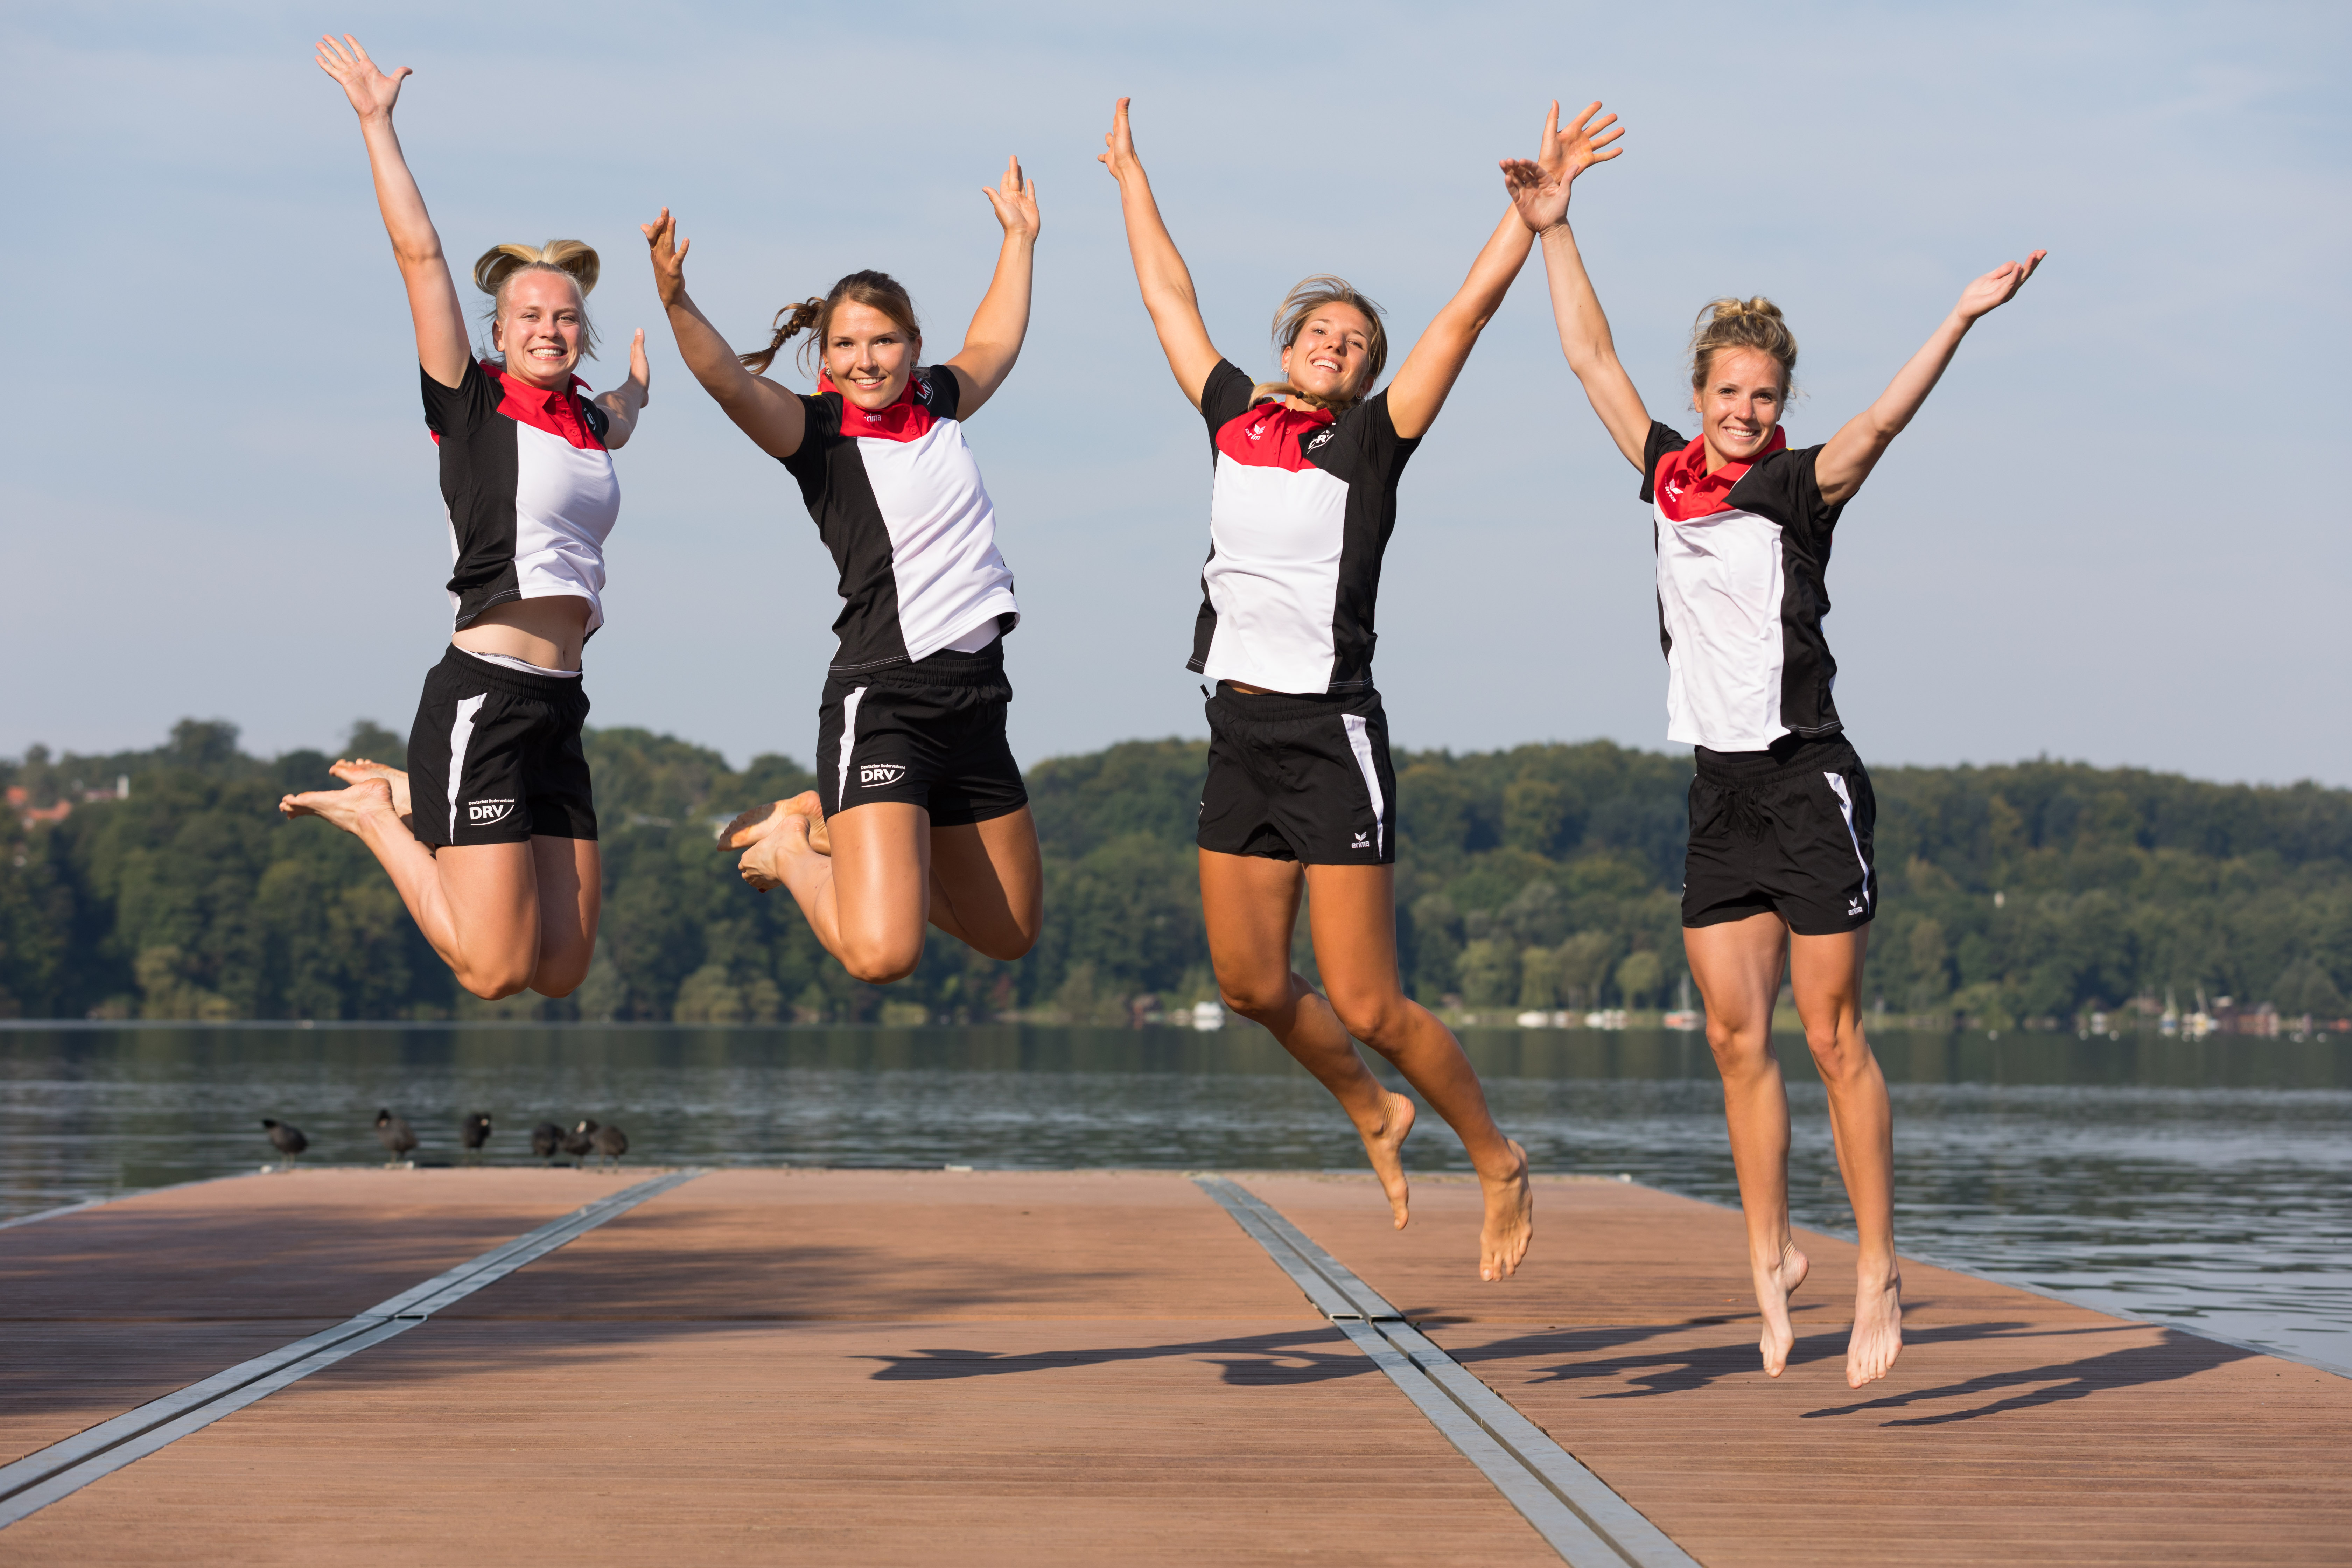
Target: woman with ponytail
(919,816)
(490,834)
(1300,796)
(1778,874)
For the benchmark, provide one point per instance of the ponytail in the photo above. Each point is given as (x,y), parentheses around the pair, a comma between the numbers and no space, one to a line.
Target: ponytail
(814,317)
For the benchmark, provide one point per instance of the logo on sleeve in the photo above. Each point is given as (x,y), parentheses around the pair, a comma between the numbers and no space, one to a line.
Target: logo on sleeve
(872,774)
(481,813)
(1319,439)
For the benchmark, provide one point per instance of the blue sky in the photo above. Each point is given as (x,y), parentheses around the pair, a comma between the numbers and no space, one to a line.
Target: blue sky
(2109,535)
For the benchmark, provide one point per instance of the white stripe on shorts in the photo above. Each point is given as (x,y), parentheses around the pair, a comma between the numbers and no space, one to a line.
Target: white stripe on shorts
(849,744)
(1845,806)
(1359,741)
(461,735)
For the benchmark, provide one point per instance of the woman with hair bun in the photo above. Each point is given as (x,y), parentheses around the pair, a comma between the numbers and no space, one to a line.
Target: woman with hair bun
(490,834)
(919,816)
(1300,795)
(1778,873)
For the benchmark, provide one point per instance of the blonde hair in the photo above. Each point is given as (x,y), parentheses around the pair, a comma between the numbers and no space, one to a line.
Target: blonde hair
(1307,296)
(814,317)
(575,259)
(1730,323)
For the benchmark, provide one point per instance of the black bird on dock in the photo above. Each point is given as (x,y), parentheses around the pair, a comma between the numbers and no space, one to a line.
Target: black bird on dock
(475,1131)
(284,1138)
(580,1140)
(611,1143)
(546,1141)
(396,1136)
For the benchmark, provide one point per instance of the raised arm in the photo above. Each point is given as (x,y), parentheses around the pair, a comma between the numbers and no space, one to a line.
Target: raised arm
(441,345)
(1168,291)
(624,401)
(992,341)
(1856,450)
(1541,191)
(768,414)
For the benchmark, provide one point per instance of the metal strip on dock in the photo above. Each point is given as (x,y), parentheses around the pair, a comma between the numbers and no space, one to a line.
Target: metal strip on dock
(41,1478)
(1572,1509)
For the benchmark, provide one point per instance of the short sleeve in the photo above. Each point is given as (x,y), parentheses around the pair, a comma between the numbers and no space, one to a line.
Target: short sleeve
(820,424)
(1664,440)
(1384,451)
(1785,488)
(1225,395)
(946,391)
(460,410)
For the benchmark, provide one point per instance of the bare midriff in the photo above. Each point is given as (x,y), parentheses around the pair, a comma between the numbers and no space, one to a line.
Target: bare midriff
(545,632)
(1246,690)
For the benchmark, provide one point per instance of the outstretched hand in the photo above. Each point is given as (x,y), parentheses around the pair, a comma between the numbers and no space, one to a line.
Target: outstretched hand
(669,256)
(371,91)
(1996,288)
(1539,190)
(639,370)
(1015,201)
(1119,145)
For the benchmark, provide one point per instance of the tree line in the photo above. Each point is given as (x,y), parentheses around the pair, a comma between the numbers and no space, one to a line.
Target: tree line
(1541,877)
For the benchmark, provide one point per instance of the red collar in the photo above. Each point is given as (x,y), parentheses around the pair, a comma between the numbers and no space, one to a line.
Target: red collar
(1685,490)
(1273,435)
(906,417)
(558,410)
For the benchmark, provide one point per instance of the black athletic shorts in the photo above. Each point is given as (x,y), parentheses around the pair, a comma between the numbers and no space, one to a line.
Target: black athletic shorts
(494,756)
(1299,778)
(1787,831)
(930,733)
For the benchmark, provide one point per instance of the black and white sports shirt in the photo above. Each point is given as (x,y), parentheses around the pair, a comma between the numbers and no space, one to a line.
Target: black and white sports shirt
(1742,554)
(1302,511)
(530,490)
(898,500)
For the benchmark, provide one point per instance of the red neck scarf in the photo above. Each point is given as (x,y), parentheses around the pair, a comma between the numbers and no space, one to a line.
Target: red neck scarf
(1685,489)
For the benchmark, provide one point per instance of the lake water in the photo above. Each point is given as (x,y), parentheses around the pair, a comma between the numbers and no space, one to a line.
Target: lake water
(2201,1183)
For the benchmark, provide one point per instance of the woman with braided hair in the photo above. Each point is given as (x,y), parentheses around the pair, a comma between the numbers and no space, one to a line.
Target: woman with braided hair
(490,834)
(920,817)
(1778,873)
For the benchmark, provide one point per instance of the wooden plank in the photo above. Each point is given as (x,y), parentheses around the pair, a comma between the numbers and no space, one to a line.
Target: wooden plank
(107,1308)
(837,1367)
(2014,1429)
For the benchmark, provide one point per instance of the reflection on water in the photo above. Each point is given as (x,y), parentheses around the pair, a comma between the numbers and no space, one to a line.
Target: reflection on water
(2194,1182)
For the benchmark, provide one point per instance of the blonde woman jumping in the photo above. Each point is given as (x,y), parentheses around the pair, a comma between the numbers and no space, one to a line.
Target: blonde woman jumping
(490,835)
(1778,875)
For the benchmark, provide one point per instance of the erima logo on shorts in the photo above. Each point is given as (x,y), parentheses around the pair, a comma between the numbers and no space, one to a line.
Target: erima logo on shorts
(1853,906)
(874,773)
(1363,841)
(478,812)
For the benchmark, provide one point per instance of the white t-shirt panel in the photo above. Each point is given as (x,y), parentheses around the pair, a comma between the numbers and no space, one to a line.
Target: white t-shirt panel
(1272,576)
(950,576)
(1720,586)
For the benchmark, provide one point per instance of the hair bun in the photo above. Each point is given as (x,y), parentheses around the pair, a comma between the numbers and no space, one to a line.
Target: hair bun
(500,262)
(1753,324)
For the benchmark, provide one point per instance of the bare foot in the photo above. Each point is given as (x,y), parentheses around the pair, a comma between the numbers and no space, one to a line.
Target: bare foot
(1877,1337)
(1385,1144)
(1776,1281)
(763,864)
(346,808)
(1511,1219)
(751,827)
(359,768)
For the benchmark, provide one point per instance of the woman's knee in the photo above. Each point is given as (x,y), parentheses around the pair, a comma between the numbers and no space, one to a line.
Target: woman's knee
(1738,1049)
(1258,998)
(1839,1054)
(494,983)
(1378,1018)
(880,962)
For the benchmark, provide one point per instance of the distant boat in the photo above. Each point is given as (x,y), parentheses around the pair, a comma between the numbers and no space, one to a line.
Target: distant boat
(1685,1019)
(1208,1015)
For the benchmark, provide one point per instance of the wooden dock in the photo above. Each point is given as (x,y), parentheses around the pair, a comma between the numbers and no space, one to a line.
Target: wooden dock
(873,1367)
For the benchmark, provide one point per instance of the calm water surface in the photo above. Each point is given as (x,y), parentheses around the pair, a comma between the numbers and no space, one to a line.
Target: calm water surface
(2202,1183)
